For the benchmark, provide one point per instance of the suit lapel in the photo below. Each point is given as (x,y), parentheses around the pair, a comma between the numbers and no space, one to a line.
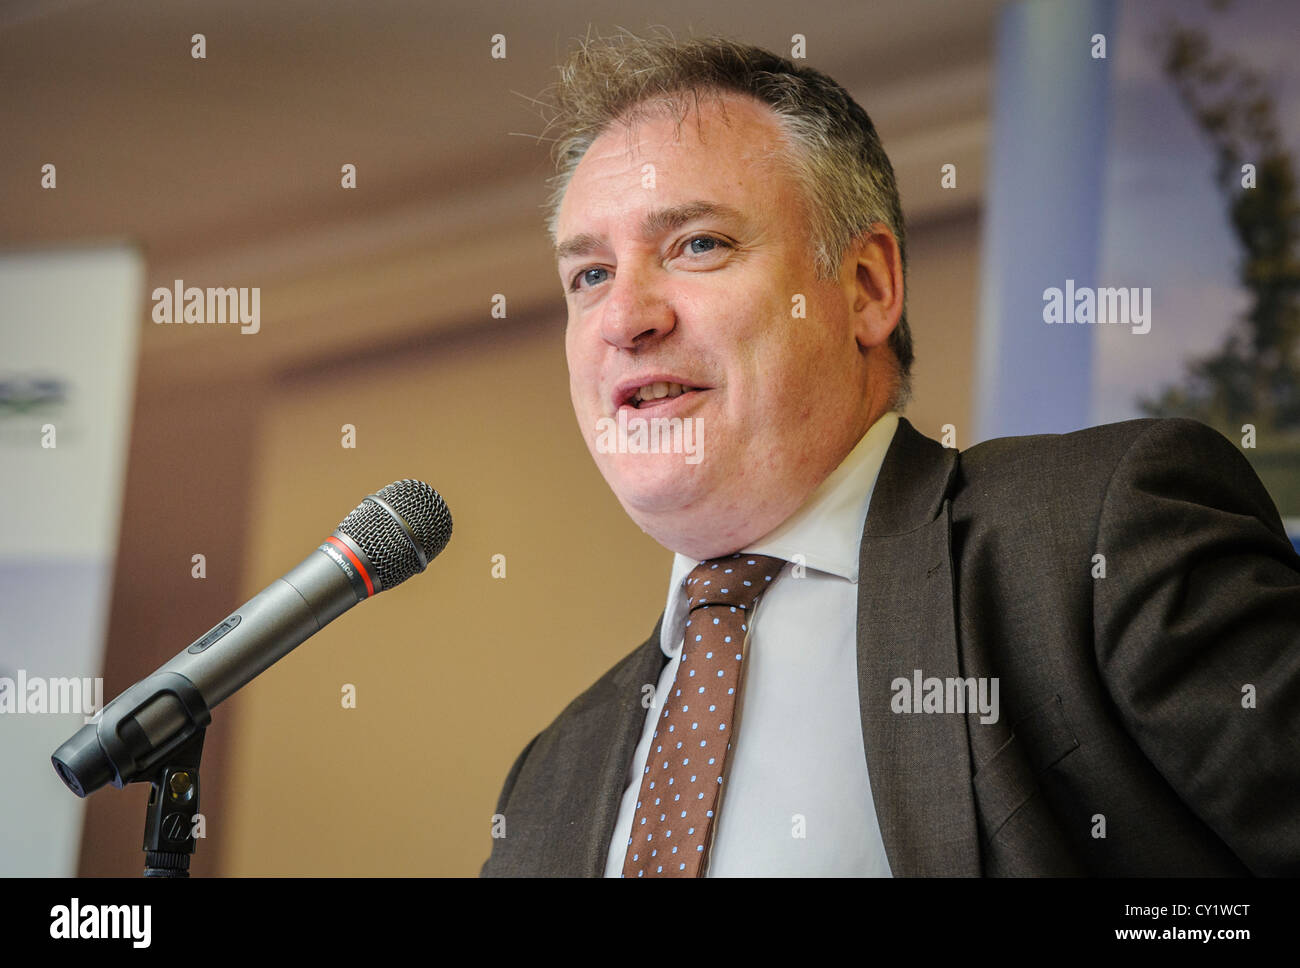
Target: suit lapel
(565,800)
(919,763)
(617,725)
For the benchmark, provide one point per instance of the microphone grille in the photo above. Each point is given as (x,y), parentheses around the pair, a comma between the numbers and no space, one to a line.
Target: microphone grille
(387,542)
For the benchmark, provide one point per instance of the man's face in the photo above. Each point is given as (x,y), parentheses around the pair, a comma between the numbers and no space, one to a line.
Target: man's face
(687,260)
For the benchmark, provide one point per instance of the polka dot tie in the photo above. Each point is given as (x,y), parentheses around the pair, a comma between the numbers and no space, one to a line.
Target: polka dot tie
(682,780)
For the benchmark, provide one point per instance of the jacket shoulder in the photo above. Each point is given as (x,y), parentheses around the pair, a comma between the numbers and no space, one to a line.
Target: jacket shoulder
(1091,444)
(1083,461)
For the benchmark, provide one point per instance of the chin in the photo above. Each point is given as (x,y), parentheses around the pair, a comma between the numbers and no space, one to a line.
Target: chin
(652,484)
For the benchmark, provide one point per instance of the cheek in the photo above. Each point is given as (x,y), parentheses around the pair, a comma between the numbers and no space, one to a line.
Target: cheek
(787,360)
(580,373)
(570,344)
(790,383)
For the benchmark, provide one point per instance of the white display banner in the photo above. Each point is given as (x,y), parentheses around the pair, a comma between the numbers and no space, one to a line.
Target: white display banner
(69,328)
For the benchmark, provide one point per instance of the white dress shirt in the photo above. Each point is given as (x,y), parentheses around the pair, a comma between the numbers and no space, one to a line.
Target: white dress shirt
(796,798)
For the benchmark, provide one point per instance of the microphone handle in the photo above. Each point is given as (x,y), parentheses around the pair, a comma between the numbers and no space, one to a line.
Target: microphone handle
(265,628)
(151,718)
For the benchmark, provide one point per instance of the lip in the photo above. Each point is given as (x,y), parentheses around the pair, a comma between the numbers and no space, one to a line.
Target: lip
(665,407)
(625,390)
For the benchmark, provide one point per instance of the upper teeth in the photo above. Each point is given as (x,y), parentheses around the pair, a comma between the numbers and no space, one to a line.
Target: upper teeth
(653,391)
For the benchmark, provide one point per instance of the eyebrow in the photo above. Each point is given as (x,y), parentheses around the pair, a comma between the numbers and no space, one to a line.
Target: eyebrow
(655,222)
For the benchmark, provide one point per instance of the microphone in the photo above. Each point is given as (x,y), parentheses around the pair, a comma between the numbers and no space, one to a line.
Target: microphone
(387,538)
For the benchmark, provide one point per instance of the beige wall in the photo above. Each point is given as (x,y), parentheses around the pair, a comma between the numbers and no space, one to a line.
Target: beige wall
(942,302)
(455,671)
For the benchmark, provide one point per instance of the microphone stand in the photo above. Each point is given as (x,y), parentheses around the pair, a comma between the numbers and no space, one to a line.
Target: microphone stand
(173,805)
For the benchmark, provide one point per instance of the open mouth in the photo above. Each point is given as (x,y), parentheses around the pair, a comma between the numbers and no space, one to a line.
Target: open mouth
(654,394)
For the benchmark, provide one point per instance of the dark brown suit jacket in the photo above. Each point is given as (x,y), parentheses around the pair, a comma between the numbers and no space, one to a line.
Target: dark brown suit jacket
(1124,698)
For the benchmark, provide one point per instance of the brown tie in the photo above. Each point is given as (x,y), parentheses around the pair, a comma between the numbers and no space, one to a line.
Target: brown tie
(675,811)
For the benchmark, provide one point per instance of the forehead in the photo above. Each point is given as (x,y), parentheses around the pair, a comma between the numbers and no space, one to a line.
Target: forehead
(725,147)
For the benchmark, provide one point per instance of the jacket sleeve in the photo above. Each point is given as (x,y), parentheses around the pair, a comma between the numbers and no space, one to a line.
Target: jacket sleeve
(509,785)
(1197,631)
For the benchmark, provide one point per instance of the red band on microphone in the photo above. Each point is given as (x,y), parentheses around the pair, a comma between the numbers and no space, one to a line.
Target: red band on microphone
(356,563)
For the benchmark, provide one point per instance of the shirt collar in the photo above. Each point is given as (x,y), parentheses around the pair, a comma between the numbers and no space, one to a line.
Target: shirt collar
(826,532)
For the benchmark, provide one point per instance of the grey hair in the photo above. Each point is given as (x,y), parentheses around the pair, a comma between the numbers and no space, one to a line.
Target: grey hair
(832,149)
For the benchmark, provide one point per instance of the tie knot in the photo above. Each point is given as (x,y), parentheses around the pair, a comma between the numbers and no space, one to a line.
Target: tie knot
(735,580)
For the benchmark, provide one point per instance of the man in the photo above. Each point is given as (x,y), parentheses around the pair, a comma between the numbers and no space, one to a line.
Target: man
(1046,655)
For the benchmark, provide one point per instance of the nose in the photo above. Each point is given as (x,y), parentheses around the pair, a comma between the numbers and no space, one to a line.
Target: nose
(634,314)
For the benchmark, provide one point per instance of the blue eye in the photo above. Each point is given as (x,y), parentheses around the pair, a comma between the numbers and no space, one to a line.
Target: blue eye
(585,273)
(712,244)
